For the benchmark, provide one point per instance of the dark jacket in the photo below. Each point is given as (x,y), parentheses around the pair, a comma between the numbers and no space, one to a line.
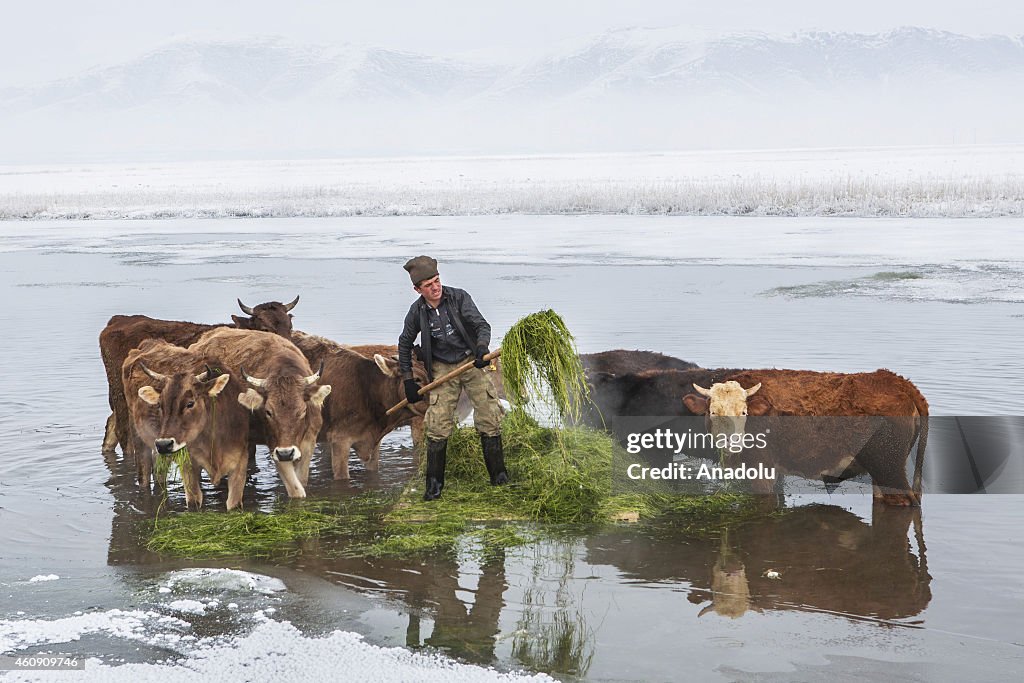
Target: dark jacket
(467,320)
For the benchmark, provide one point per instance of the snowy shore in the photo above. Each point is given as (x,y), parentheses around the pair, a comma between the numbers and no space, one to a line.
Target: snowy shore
(926,182)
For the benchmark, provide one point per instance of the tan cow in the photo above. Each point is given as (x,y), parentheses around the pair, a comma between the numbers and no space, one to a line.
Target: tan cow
(283,394)
(177,399)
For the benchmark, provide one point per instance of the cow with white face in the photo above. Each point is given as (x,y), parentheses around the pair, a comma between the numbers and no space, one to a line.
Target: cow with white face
(282,392)
(725,405)
(830,426)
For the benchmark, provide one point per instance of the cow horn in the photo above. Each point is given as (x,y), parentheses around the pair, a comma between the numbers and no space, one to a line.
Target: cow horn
(206,375)
(245,309)
(155,375)
(290,306)
(702,391)
(316,375)
(752,390)
(255,381)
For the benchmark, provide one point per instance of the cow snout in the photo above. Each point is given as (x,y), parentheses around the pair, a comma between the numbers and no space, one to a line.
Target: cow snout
(286,454)
(165,446)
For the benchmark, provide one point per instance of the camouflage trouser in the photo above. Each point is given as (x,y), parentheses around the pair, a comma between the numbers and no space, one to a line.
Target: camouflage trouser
(440,417)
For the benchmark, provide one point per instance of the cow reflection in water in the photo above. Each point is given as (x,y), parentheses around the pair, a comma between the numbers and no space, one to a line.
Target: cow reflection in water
(827,559)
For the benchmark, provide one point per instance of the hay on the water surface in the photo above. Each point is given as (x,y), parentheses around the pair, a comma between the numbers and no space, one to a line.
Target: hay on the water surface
(540,364)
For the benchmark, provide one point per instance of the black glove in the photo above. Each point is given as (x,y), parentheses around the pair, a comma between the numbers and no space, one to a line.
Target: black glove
(412,389)
(481,351)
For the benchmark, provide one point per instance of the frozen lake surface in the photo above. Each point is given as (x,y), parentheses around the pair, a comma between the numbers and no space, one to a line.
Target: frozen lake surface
(938,301)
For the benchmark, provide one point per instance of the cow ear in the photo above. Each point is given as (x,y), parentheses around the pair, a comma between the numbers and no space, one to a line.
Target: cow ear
(384,365)
(600,377)
(758,405)
(251,399)
(320,395)
(149,395)
(698,405)
(241,323)
(219,384)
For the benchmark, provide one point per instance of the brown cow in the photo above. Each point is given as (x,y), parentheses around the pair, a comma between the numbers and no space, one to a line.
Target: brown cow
(176,400)
(462,409)
(125,332)
(283,394)
(863,423)
(355,414)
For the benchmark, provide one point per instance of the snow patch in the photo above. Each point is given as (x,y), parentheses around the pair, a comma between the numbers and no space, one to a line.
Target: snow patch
(279,651)
(43,577)
(222,580)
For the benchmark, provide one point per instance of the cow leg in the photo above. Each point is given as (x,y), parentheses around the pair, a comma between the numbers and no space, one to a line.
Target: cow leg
(194,489)
(884,457)
(236,484)
(340,446)
(302,468)
(768,496)
(286,470)
(110,435)
(418,433)
(143,457)
(369,454)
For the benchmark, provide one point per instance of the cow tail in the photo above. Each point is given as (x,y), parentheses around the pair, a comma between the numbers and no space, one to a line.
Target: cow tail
(922,440)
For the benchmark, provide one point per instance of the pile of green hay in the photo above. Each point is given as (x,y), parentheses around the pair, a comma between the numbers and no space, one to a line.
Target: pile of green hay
(540,364)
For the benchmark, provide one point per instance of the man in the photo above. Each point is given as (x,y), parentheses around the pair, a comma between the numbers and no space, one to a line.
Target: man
(451,332)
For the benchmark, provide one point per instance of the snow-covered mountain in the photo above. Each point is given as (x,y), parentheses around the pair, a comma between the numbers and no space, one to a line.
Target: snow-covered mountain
(620,75)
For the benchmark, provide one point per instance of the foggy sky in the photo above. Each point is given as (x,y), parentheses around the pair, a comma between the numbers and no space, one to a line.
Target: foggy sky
(47,39)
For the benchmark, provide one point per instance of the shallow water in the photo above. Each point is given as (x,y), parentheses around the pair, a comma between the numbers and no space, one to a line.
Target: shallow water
(883,593)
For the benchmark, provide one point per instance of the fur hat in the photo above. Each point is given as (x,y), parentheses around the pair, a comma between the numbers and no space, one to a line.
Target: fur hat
(421,268)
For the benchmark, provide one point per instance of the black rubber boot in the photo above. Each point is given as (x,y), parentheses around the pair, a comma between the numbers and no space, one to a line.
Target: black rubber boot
(494,458)
(437,455)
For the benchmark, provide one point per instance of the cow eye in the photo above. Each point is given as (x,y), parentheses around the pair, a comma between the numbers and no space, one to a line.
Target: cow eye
(268,413)
(744,412)
(190,404)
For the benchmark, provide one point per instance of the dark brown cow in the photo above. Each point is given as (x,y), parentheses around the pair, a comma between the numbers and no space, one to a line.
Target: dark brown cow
(622,361)
(648,393)
(283,394)
(355,413)
(873,420)
(177,399)
(125,332)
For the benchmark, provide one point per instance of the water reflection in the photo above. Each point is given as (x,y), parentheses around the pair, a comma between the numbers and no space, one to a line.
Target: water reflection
(813,558)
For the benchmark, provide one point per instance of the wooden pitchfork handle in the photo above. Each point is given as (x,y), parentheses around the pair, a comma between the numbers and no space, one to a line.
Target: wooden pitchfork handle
(441,380)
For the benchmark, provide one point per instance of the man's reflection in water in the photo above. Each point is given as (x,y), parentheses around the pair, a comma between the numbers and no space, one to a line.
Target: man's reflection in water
(466,630)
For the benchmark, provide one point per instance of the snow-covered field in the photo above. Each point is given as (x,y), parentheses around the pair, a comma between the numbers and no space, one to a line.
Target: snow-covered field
(913,182)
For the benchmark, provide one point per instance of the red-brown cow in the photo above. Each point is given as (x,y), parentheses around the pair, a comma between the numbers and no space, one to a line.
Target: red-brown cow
(355,413)
(862,423)
(177,399)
